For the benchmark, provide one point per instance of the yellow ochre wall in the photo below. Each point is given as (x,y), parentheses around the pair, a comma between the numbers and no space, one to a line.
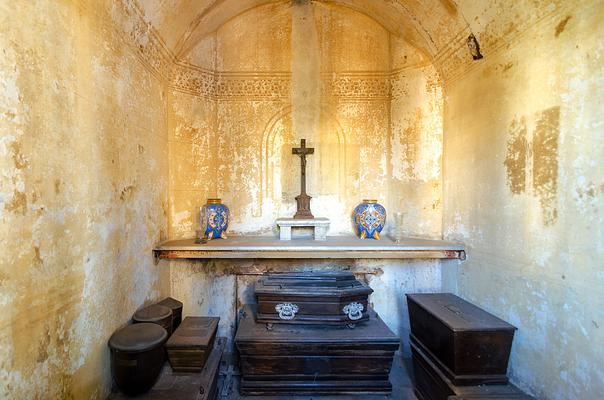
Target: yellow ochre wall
(370,105)
(110,142)
(524,189)
(83,192)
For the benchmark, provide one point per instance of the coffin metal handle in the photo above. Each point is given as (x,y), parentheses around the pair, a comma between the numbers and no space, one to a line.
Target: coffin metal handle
(354,311)
(287,311)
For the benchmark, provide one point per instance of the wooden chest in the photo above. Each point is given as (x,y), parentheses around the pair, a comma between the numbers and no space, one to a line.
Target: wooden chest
(333,298)
(176,307)
(467,343)
(190,345)
(431,384)
(312,359)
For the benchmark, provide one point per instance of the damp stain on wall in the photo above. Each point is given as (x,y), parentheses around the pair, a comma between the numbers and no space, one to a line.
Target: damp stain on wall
(531,160)
(411,142)
(561,26)
(516,156)
(545,162)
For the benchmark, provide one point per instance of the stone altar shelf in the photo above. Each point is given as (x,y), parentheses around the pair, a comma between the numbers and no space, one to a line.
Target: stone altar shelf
(339,247)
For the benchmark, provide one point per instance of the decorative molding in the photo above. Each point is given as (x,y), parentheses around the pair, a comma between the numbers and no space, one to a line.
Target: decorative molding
(452,62)
(358,86)
(252,86)
(149,46)
(192,80)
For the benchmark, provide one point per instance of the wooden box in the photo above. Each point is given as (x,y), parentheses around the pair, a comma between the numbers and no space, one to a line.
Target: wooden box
(191,343)
(430,383)
(469,345)
(186,386)
(333,298)
(176,307)
(314,360)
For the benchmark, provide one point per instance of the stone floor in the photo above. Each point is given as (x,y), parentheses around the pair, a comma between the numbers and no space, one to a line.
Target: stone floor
(186,386)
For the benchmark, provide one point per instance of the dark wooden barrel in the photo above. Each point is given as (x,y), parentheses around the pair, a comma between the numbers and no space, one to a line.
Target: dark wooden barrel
(155,314)
(137,356)
(176,307)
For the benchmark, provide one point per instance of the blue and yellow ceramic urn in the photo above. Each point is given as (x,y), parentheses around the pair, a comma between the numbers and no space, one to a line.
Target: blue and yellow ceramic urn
(214,218)
(369,219)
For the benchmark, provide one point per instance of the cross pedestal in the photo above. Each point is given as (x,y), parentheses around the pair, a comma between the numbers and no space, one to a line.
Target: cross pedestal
(298,228)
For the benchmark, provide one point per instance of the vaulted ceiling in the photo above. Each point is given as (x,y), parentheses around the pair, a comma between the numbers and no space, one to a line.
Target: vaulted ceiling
(437,28)
(429,25)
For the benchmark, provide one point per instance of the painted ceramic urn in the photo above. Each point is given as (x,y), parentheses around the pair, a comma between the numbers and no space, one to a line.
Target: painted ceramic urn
(369,219)
(214,218)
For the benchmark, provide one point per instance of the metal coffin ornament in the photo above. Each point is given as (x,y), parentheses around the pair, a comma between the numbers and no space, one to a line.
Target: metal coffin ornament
(214,219)
(319,298)
(369,219)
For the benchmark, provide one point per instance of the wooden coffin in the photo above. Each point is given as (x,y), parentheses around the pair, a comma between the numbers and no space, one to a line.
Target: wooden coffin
(430,383)
(332,298)
(190,345)
(467,343)
(314,360)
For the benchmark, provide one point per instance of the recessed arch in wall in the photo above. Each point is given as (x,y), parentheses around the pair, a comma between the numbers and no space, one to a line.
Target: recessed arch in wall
(277,140)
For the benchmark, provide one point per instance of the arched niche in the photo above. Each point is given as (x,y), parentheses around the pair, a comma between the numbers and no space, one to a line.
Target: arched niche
(281,170)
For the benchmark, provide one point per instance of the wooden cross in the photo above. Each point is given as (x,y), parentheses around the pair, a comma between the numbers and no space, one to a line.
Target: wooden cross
(303,200)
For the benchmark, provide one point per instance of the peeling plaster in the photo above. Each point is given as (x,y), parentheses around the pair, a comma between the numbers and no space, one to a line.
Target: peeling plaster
(523,170)
(81,206)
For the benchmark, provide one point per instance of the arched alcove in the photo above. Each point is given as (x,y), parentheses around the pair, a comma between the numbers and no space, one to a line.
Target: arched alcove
(370,91)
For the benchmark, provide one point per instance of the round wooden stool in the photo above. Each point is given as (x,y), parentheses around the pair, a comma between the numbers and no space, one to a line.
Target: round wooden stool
(137,356)
(156,314)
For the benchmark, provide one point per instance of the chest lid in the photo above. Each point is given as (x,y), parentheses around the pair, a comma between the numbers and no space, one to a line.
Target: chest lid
(194,332)
(458,314)
(335,283)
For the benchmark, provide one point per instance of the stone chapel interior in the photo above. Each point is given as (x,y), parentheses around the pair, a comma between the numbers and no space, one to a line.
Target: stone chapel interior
(476,124)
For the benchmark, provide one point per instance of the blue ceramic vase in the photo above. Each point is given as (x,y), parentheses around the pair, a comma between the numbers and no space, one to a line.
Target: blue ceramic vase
(214,218)
(369,219)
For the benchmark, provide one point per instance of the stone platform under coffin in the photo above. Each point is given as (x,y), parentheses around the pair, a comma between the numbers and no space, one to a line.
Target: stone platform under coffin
(313,360)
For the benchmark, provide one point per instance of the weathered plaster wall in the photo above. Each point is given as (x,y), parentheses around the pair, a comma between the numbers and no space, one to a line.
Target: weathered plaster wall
(524,187)
(83,198)
(369,103)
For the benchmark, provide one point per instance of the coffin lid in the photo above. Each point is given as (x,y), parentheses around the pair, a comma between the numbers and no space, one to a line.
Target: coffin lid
(372,331)
(194,332)
(458,314)
(311,284)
